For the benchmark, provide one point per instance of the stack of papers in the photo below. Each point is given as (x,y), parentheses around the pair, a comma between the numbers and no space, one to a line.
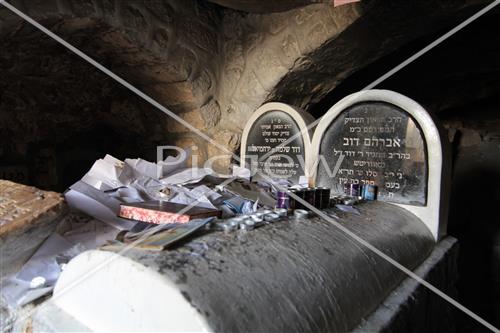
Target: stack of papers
(111,183)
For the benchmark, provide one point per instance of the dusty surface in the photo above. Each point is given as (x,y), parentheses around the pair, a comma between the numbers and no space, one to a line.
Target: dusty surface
(294,275)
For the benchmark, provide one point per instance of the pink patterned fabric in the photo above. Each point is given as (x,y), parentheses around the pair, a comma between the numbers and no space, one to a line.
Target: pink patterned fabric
(152,216)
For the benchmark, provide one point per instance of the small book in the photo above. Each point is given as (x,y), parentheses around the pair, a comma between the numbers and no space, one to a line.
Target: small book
(160,240)
(160,212)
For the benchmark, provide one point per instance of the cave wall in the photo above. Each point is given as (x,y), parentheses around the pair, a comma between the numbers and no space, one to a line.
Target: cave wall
(211,65)
(59,113)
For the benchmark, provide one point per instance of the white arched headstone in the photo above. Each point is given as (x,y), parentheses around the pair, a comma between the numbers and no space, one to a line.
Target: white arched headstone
(262,148)
(389,140)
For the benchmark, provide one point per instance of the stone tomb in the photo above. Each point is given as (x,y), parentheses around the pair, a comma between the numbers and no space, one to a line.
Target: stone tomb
(388,140)
(264,146)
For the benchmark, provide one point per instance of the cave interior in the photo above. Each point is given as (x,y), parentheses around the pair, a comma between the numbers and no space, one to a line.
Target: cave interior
(214,62)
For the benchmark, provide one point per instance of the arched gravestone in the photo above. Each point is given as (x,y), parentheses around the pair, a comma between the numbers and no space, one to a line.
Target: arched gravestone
(388,140)
(264,146)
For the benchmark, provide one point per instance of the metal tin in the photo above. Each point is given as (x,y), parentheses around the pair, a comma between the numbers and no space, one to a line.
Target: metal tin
(218,225)
(294,203)
(350,201)
(300,213)
(322,198)
(352,190)
(309,196)
(271,217)
(227,227)
(37,282)
(258,219)
(234,221)
(370,192)
(282,200)
(248,224)
(335,200)
(281,211)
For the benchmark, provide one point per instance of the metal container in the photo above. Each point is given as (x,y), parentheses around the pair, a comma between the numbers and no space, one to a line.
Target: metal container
(350,201)
(294,204)
(234,222)
(228,227)
(281,212)
(369,192)
(322,197)
(258,219)
(300,213)
(353,190)
(282,200)
(335,200)
(309,196)
(248,224)
(271,217)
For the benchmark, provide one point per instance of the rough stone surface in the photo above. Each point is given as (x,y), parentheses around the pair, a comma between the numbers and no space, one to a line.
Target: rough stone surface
(27,216)
(383,29)
(411,307)
(257,6)
(260,50)
(195,146)
(220,159)
(211,113)
(213,64)
(194,118)
(52,135)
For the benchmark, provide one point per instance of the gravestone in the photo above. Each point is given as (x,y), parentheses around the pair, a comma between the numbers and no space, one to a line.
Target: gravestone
(383,139)
(275,142)
(381,145)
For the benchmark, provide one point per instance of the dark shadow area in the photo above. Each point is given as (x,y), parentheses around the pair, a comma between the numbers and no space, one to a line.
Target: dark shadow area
(475,199)
(459,81)
(58,114)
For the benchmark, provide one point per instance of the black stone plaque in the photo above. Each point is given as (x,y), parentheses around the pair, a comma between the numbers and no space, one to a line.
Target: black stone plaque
(262,154)
(382,145)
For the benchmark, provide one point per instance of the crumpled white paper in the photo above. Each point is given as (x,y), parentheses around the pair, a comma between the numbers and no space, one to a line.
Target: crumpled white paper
(111,182)
(18,291)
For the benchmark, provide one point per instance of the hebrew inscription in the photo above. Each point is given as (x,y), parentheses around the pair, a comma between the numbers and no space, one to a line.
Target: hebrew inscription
(263,154)
(382,146)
